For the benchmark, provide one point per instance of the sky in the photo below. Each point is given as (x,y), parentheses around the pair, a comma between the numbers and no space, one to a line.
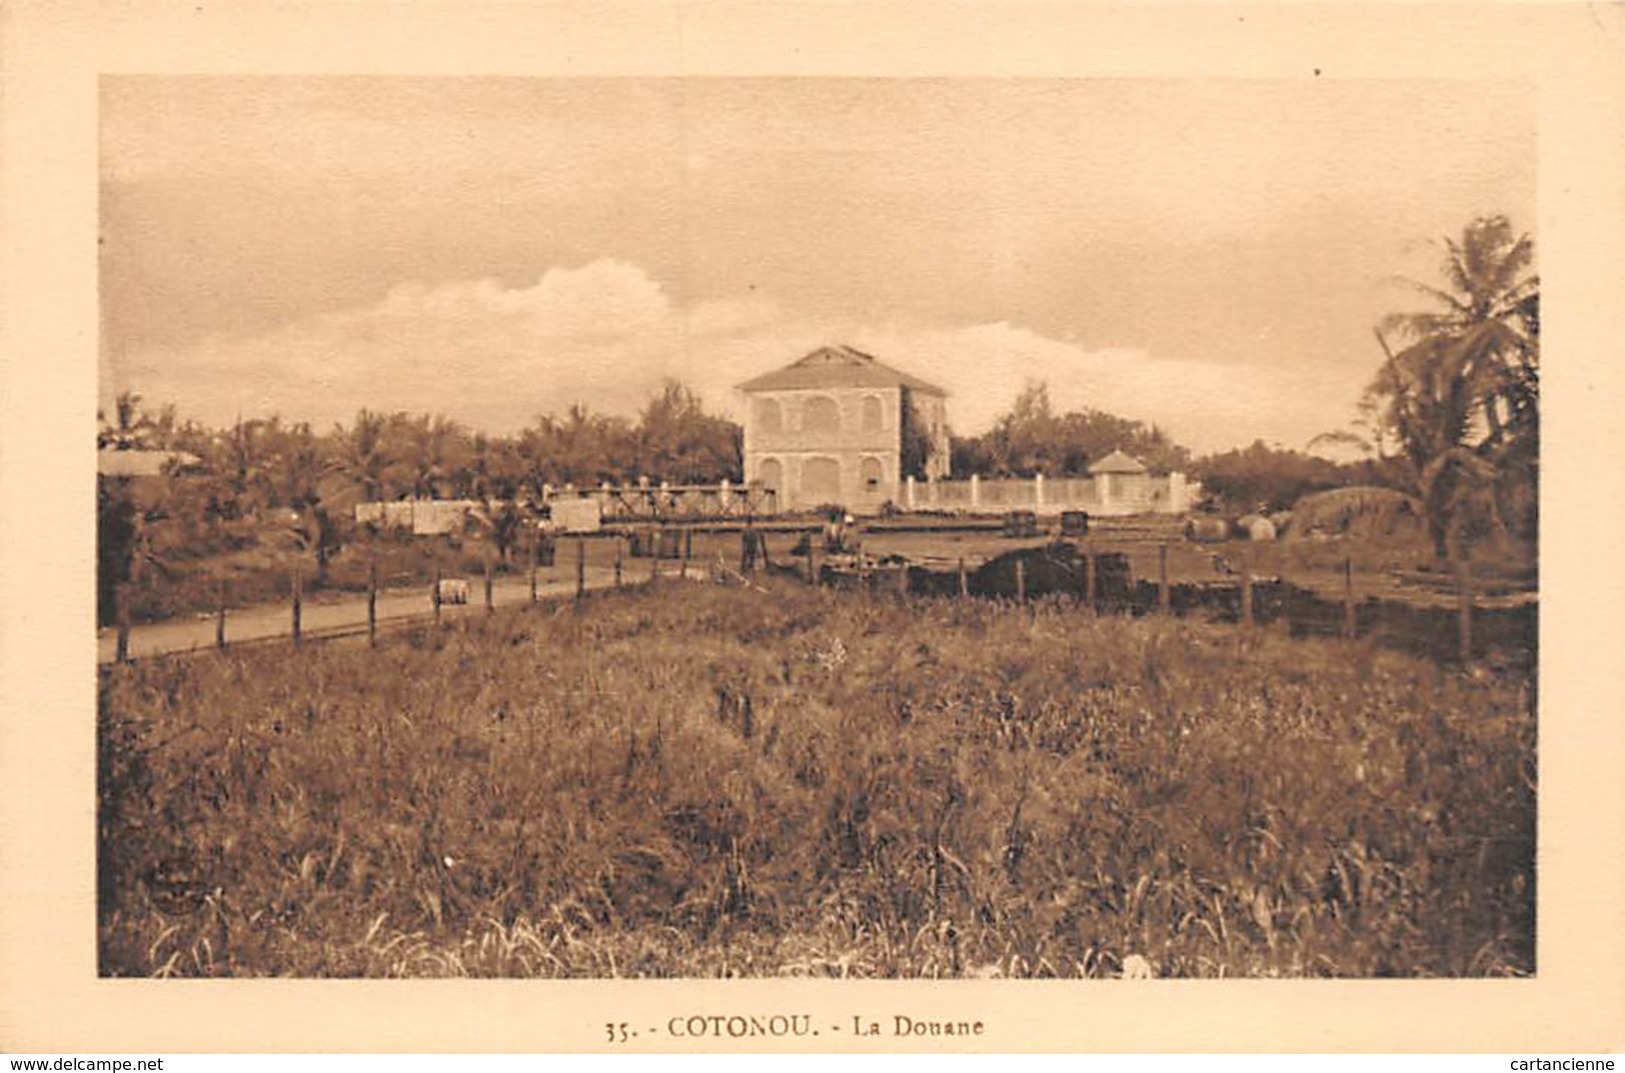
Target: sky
(1203,254)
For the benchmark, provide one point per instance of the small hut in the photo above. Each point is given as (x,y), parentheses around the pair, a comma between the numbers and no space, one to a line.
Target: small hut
(1122,482)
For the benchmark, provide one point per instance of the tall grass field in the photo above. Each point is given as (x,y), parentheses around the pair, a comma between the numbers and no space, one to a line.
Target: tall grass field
(706,781)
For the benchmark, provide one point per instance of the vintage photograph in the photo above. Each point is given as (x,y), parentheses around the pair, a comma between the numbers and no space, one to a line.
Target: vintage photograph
(828,527)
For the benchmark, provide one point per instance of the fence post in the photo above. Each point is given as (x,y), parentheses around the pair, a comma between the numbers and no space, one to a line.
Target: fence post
(490,603)
(1247,595)
(964,579)
(581,567)
(687,546)
(121,612)
(298,610)
(1090,583)
(1464,609)
(812,569)
(1348,598)
(220,614)
(617,562)
(535,554)
(1164,597)
(372,602)
(1021,582)
(434,595)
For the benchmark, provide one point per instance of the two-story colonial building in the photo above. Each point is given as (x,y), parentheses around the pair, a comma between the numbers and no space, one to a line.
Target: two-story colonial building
(839,427)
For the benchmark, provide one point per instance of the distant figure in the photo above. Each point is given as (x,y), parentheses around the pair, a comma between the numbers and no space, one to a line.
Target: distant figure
(835,532)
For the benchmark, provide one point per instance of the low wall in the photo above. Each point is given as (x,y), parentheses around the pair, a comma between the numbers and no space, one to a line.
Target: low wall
(1115,494)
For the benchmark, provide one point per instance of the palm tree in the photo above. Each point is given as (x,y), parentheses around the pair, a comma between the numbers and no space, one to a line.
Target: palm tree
(303,463)
(362,453)
(128,428)
(435,452)
(240,465)
(1461,398)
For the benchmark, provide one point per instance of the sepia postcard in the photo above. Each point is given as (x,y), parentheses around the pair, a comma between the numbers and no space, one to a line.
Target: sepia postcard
(715,527)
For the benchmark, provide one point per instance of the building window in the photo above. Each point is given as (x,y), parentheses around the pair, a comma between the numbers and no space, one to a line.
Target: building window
(770,472)
(872,421)
(820,414)
(769,418)
(872,472)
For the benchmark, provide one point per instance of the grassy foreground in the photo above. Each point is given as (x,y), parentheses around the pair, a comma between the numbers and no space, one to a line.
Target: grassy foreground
(702,781)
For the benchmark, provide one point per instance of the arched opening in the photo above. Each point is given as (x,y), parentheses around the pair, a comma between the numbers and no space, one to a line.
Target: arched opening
(872,419)
(770,472)
(872,473)
(821,481)
(769,416)
(820,414)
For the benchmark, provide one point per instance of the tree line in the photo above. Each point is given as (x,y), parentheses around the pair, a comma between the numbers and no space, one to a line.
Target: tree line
(1031,438)
(259,462)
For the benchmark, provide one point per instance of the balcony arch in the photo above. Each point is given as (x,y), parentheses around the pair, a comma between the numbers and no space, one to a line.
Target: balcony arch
(820,414)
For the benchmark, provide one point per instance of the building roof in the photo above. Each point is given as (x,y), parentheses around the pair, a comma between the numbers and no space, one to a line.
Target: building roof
(1117,462)
(111,462)
(837,366)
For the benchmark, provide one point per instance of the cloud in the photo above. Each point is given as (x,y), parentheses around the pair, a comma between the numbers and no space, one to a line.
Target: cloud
(607,334)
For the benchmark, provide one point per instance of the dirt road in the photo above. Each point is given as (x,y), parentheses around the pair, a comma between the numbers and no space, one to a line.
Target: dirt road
(326,615)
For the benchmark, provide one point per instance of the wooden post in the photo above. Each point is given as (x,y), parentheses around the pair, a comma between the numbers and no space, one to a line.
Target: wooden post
(372,602)
(298,608)
(581,567)
(1021,582)
(434,595)
(1090,583)
(617,562)
(535,554)
(220,613)
(1164,596)
(490,603)
(964,578)
(121,612)
(687,546)
(1247,596)
(1348,598)
(1464,609)
(812,570)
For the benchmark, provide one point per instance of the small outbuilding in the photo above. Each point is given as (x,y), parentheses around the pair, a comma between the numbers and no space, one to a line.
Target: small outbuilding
(1121,479)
